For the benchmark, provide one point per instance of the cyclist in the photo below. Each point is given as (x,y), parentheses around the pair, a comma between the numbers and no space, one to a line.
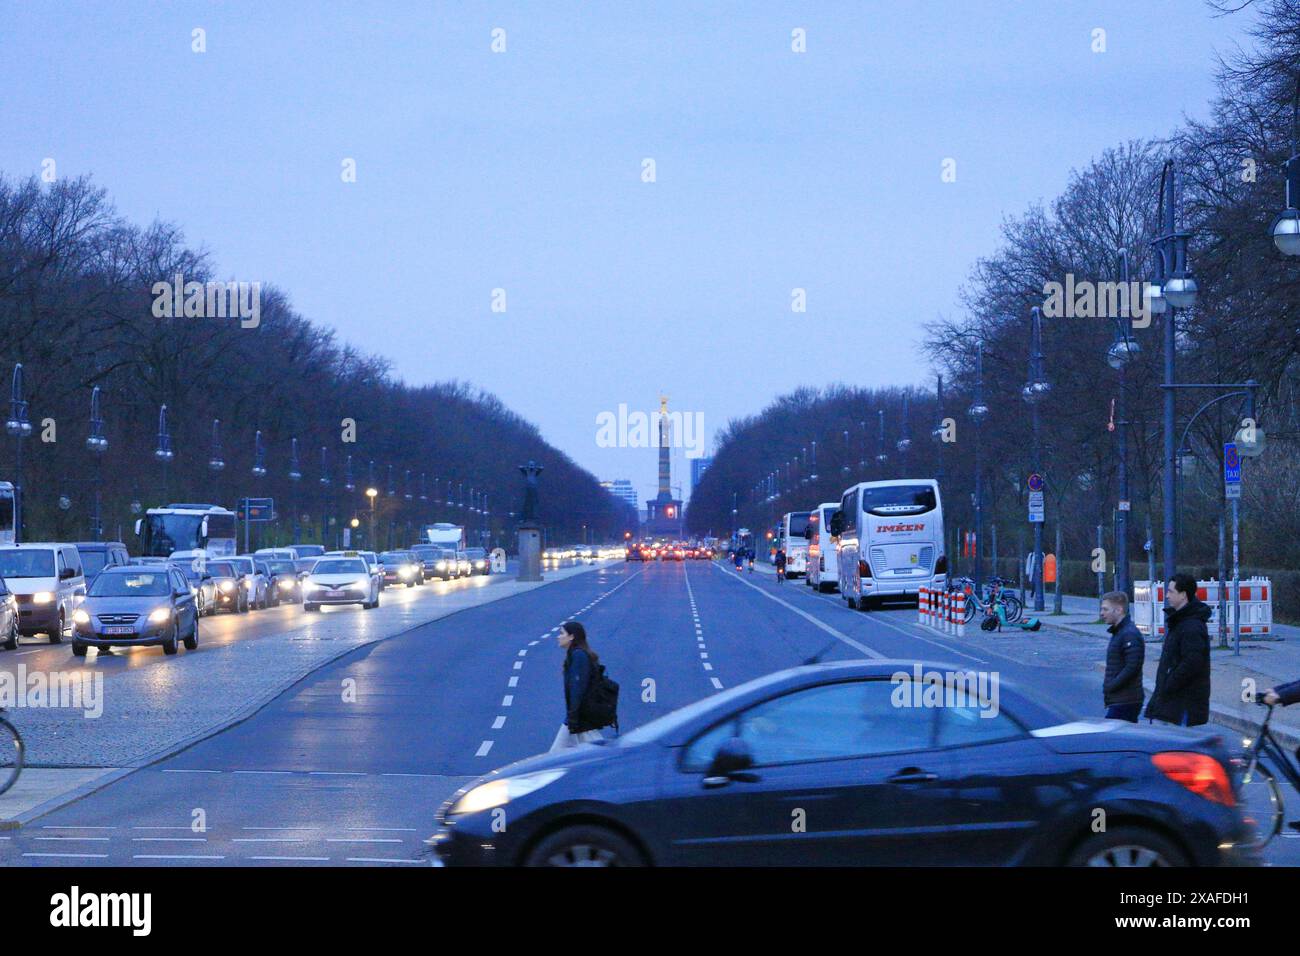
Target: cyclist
(779,561)
(749,554)
(1284,694)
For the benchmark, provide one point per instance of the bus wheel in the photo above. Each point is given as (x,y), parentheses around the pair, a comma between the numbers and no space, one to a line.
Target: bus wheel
(853,605)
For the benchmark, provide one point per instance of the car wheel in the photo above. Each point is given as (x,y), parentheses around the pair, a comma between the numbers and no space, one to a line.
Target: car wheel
(410,584)
(309,607)
(11,642)
(78,649)
(192,642)
(57,636)
(853,605)
(169,645)
(1127,846)
(584,846)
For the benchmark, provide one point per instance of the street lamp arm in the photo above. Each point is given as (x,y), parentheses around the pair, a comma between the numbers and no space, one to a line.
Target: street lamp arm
(1182,442)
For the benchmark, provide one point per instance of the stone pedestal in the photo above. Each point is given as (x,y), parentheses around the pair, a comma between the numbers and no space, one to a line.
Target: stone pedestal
(530,553)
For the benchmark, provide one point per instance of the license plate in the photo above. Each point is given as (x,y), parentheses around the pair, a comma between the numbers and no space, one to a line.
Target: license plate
(333,593)
(119,629)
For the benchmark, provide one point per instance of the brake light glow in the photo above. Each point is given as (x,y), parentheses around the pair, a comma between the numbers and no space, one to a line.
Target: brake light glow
(1199,773)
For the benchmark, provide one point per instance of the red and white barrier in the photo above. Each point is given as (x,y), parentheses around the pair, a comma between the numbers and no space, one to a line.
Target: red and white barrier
(921,598)
(1255,596)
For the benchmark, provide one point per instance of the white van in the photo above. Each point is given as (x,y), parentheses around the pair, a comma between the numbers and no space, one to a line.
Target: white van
(890,540)
(48,582)
(823,564)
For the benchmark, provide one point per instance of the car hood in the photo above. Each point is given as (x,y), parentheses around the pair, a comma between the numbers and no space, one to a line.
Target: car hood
(29,586)
(333,580)
(582,756)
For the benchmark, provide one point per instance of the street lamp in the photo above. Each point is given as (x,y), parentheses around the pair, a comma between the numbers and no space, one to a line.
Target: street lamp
(881,456)
(905,439)
(98,444)
(1124,350)
(164,452)
(259,456)
(372,493)
(19,427)
(295,475)
(938,432)
(1034,391)
(1286,227)
(977,411)
(1179,290)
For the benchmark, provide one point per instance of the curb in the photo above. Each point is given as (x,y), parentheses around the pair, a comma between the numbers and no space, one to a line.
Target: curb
(111,776)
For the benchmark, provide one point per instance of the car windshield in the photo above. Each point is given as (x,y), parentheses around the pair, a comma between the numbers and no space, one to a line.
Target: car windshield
(393,557)
(340,566)
(281,566)
(131,584)
(27,563)
(92,562)
(476,553)
(668,723)
(309,550)
(222,569)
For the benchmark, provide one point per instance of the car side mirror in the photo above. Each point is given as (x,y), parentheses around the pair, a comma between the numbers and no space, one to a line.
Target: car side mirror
(807,533)
(730,762)
(67,573)
(837,523)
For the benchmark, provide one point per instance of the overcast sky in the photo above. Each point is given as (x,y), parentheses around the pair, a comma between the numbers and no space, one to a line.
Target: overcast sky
(524,171)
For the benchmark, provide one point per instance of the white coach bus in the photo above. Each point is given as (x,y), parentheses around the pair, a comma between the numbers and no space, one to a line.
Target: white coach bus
(823,569)
(890,540)
(792,535)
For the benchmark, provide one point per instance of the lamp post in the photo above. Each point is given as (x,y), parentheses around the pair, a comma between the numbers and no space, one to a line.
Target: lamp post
(20,428)
(372,493)
(98,444)
(295,475)
(937,434)
(1178,290)
(904,443)
(1286,227)
(1123,351)
(259,472)
(1035,390)
(216,463)
(881,455)
(977,411)
(324,495)
(164,452)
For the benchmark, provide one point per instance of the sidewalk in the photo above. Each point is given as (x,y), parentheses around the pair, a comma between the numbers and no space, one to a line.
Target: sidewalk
(1261,665)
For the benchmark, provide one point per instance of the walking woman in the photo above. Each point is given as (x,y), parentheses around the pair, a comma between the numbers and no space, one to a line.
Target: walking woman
(579,665)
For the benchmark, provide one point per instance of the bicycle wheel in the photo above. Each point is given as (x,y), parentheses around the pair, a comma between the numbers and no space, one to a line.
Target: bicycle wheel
(11,755)
(1261,797)
(972,608)
(1012,607)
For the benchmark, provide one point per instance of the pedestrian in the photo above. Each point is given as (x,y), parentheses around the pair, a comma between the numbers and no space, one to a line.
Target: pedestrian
(1121,688)
(579,665)
(1182,693)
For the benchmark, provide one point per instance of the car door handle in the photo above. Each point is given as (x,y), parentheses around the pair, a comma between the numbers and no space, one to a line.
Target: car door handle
(913,775)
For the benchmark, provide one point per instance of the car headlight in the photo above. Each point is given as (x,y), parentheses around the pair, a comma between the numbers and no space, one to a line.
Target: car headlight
(287,583)
(80,617)
(480,564)
(43,597)
(406,572)
(442,565)
(497,793)
(227,586)
(160,615)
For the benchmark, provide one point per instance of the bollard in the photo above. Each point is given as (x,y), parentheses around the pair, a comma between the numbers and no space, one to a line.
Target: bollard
(920,606)
(961,613)
(947,612)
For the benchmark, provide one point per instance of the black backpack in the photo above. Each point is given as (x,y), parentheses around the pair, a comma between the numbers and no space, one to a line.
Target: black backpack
(600,704)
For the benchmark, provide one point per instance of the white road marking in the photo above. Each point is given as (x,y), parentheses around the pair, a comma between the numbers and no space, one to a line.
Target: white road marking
(268,840)
(363,840)
(519,665)
(499,723)
(176,856)
(191,771)
(293,859)
(53,839)
(708,667)
(514,682)
(483,748)
(507,700)
(524,652)
(375,859)
(716,683)
(72,856)
(169,839)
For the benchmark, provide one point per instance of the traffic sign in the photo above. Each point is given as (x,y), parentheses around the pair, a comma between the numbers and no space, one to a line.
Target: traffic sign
(257,509)
(1231,470)
(1036,510)
(1035,482)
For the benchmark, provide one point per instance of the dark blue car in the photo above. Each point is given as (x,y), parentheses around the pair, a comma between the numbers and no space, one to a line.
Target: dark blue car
(862,763)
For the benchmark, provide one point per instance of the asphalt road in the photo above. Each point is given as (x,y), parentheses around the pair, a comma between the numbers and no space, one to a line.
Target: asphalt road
(348,766)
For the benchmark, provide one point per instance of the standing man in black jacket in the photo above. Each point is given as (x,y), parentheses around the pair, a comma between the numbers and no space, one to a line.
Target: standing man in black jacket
(1121,689)
(1182,694)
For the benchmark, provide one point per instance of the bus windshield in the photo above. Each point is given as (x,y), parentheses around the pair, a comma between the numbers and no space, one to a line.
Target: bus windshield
(161,534)
(893,500)
(799,523)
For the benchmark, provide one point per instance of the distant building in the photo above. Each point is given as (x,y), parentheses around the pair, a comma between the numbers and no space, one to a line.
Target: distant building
(664,512)
(621,488)
(698,467)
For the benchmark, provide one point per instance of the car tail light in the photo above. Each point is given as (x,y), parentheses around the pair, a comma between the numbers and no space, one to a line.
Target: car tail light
(1199,773)
(941,566)
(864,569)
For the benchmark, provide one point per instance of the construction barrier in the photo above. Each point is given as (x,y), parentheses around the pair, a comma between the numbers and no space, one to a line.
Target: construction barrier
(1255,596)
(922,596)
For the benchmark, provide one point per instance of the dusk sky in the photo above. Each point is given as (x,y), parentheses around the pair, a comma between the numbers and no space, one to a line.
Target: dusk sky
(523,170)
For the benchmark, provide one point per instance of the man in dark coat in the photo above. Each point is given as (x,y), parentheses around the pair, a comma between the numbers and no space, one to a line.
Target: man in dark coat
(1182,694)
(1122,687)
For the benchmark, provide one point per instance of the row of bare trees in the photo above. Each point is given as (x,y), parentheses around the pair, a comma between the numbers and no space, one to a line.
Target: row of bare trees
(1244,326)
(76,310)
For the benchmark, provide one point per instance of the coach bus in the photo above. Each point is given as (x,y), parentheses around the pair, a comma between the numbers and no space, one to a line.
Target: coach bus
(890,541)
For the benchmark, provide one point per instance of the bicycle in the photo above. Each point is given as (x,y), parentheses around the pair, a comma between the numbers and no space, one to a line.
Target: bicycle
(11,753)
(1264,746)
(996,593)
